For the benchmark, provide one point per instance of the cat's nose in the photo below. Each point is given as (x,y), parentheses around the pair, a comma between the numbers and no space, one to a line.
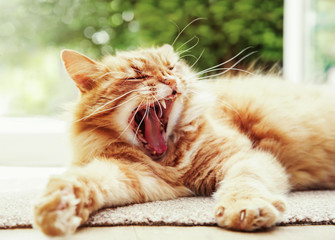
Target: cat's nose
(171,82)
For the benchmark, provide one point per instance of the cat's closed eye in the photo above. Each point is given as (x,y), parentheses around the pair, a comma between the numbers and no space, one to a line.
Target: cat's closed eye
(138,77)
(139,74)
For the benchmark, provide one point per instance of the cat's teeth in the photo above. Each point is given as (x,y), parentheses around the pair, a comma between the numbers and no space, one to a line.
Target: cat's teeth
(163,103)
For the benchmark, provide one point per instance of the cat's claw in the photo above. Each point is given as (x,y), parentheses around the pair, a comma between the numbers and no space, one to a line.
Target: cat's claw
(219,212)
(249,214)
(242,216)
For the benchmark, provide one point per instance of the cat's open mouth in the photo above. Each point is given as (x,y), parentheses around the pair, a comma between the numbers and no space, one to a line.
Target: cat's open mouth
(150,123)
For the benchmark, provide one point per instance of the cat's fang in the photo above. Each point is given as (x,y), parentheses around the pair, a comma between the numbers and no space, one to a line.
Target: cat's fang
(163,103)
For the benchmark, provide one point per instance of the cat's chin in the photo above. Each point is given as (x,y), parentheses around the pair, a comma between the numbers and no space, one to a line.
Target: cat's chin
(149,124)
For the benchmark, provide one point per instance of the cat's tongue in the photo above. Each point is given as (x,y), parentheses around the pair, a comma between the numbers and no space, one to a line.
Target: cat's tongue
(153,134)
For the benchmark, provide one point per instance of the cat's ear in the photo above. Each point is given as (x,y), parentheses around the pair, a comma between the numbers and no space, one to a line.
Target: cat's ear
(80,68)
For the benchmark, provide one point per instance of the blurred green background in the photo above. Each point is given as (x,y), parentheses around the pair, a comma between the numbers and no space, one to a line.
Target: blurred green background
(33,32)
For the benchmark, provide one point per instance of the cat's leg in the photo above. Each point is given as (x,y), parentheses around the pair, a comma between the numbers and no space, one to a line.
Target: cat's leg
(70,198)
(252,194)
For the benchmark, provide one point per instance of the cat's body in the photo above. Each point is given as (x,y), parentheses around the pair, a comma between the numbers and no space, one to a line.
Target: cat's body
(249,141)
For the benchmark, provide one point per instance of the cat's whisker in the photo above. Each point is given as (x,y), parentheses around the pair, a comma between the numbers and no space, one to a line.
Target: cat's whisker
(194,37)
(145,113)
(162,97)
(175,25)
(229,60)
(121,104)
(147,108)
(188,55)
(109,102)
(236,69)
(96,111)
(186,43)
(190,48)
(108,109)
(198,58)
(155,112)
(132,119)
(230,68)
(180,32)
(211,76)
(158,105)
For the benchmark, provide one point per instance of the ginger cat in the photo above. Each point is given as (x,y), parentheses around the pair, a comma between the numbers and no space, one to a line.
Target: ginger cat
(145,129)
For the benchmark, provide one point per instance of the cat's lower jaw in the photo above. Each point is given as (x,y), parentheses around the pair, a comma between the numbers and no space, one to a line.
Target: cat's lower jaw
(56,213)
(250,213)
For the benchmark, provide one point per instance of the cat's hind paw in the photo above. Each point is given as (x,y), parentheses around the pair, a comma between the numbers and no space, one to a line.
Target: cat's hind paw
(249,214)
(55,212)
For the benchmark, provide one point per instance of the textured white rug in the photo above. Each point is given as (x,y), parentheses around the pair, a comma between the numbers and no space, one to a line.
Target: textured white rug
(19,189)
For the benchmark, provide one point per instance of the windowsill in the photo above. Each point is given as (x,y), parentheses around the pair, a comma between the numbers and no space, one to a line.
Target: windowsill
(34,142)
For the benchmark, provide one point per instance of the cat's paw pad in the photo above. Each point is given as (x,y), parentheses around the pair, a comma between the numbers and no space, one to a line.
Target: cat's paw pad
(55,212)
(249,214)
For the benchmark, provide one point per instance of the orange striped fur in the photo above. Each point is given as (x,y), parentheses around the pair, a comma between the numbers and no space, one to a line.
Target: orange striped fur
(245,140)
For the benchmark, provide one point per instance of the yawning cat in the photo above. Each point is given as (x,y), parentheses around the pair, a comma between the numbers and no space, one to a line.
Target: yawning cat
(145,129)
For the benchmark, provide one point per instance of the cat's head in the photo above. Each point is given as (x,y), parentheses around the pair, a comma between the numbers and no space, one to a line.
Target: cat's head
(136,96)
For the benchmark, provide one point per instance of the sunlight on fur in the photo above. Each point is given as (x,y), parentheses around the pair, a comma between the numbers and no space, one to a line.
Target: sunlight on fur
(147,127)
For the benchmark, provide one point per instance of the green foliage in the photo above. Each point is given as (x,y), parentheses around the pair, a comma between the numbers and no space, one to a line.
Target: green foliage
(228,26)
(32,33)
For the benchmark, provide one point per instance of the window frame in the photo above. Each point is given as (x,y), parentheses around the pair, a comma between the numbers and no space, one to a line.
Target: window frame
(294,63)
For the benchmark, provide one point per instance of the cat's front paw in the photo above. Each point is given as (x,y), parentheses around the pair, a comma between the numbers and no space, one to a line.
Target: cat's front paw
(249,214)
(56,213)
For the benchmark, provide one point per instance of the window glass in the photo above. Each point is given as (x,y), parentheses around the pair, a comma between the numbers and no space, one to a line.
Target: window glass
(320,38)
(32,81)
